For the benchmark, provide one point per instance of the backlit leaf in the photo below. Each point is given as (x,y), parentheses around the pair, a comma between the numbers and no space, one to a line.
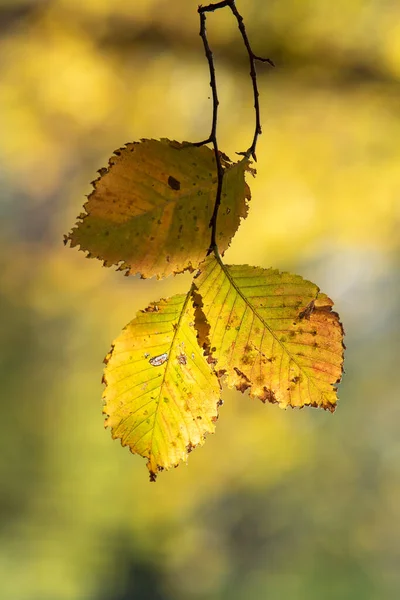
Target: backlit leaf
(273,333)
(161,395)
(150,210)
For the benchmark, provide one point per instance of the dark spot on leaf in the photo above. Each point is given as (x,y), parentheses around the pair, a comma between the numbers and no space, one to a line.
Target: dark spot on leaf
(182,360)
(307,312)
(268,395)
(151,308)
(247,359)
(174,183)
(244,383)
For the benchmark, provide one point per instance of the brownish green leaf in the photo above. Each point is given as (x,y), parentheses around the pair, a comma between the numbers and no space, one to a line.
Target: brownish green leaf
(272,333)
(161,395)
(150,210)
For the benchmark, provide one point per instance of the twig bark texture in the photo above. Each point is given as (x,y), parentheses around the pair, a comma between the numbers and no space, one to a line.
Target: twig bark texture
(212,139)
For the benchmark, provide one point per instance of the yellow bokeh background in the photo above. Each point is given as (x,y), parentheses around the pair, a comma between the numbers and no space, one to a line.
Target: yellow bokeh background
(277,504)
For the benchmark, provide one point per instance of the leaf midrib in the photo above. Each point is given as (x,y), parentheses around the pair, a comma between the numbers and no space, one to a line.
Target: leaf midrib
(167,365)
(252,308)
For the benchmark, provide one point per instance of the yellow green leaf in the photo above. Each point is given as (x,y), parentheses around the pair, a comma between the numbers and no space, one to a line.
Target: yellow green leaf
(150,210)
(162,395)
(272,333)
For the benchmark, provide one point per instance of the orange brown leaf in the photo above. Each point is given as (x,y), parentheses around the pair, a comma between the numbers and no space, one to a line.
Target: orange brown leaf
(273,333)
(150,210)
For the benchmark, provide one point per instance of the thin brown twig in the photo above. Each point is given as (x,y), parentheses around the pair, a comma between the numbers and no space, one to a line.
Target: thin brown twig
(251,152)
(213,135)
(253,74)
(215,6)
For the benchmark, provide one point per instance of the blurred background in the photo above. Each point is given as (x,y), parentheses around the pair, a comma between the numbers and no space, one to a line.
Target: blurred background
(298,505)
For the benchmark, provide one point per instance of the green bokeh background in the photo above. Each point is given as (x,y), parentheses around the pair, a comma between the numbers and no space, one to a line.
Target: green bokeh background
(299,505)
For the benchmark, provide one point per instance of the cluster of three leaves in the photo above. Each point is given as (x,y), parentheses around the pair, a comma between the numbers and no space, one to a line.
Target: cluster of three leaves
(270,332)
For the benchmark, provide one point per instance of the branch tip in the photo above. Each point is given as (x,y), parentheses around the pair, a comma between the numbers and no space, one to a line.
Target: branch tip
(251,152)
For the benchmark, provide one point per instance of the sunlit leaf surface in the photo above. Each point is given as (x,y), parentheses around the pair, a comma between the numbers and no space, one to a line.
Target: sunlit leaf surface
(272,333)
(150,210)
(161,394)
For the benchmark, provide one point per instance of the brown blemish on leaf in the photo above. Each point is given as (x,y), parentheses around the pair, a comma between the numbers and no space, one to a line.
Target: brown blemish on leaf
(151,308)
(267,396)
(242,382)
(174,183)
(200,323)
(247,359)
(190,447)
(307,312)
(182,360)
